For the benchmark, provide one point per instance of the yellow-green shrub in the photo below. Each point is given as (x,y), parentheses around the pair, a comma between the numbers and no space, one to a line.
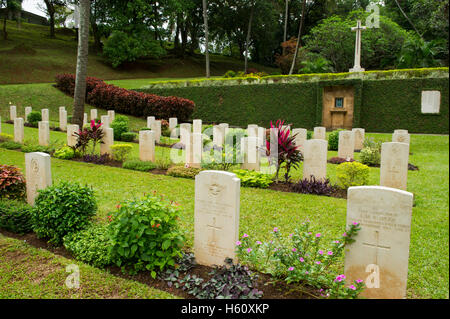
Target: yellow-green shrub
(120,152)
(352,174)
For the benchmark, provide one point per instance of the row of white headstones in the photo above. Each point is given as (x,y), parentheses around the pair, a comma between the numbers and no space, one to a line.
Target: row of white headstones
(379,256)
(394,155)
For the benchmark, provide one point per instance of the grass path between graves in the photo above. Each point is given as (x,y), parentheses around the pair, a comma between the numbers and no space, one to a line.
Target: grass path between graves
(261,210)
(28,272)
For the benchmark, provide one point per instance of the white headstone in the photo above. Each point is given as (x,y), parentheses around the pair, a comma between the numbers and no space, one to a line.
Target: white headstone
(359,138)
(219,135)
(28,110)
(320,133)
(61,108)
(85,119)
(173,122)
(45,115)
(252,130)
(18,130)
(251,158)
(346,145)
(12,112)
(44,133)
(63,120)
(150,120)
(262,136)
(71,137)
(112,116)
(379,256)
(185,129)
(194,149)
(147,146)
(197,126)
(394,165)
(37,173)
(401,137)
(105,121)
(156,128)
(216,219)
(93,114)
(108,141)
(315,159)
(301,136)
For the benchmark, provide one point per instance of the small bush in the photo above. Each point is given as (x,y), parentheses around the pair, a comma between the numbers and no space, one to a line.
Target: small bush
(119,127)
(34,118)
(65,152)
(253,179)
(62,209)
(339,160)
(128,137)
(313,186)
(309,135)
(181,171)
(12,182)
(11,145)
(145,235)
(6,137)
(138,165)
(370,156)
(90,245)
(352,174)
(120,152)
(333,140)
(229,74)
(15,216)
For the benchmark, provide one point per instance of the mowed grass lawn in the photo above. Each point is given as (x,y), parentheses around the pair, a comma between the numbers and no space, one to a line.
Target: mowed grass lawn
(261,210)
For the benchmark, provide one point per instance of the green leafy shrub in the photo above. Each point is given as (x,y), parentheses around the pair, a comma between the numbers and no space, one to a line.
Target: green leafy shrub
(65,152)
(12,182)
(229,74)
(120,125)
(90,245)
(352,174)
(253,178)
(6,137)
(333,140)
(34,117)
(120,152)
(302,257)
(309,135)
(15,216)
(370,156)
(182,171)
(10,145)
(128,137)
(138,165)
(62,209)
(145,235)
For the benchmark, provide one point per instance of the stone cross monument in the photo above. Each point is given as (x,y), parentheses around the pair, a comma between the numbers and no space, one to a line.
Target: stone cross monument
(357,67)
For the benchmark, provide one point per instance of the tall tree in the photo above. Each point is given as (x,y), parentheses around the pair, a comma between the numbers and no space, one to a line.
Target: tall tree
(51,9)
(10,6)
(294,60)
(205,18)
(247,41)
(286,17)
(82,61)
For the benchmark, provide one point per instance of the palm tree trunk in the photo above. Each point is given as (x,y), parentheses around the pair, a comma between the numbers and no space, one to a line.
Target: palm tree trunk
(205,19)
(285,25)
(247,42)
(82,61)
(298,37)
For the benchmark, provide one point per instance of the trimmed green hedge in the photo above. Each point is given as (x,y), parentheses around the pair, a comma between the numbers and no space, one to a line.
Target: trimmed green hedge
(380,104)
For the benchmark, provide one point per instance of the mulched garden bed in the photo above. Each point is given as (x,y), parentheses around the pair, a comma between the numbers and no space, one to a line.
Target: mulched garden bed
(287,187)
(271,288)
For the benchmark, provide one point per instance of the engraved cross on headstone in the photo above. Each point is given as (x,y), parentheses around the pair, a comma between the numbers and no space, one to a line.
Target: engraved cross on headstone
(358,29)
(214,228)
(377,246)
